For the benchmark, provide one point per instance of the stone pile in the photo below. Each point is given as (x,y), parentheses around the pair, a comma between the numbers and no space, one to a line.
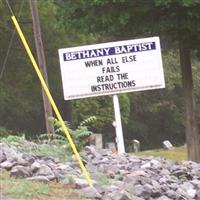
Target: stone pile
(125,177)
(32,167)
(144,178)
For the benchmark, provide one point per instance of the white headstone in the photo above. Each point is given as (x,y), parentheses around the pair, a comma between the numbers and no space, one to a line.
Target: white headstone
(136,145)
(167,145)
(98,141)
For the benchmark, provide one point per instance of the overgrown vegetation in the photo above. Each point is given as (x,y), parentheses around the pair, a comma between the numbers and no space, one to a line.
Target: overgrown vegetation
(13,138)
(28,190)
(80,135)
(58,146)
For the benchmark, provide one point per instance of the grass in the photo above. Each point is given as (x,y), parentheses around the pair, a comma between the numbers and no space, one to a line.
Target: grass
(21,189)
(176,154)
(55,151)
(101,178)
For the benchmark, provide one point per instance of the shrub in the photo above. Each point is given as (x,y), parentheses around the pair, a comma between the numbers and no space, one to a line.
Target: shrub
(79,135)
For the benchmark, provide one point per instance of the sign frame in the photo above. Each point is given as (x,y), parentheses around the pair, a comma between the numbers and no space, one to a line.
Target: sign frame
(109,68)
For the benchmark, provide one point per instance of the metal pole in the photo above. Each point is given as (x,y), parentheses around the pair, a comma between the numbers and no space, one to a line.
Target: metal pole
(118,125)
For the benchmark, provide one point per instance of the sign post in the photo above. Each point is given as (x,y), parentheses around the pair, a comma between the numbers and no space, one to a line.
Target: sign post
(118,125)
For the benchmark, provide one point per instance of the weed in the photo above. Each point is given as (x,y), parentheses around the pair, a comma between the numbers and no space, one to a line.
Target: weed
(102,178)
(13,138)
(63,154)
(4,132)
(79,135)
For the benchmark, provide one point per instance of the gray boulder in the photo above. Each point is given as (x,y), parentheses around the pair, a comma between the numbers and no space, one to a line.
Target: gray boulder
(20,172)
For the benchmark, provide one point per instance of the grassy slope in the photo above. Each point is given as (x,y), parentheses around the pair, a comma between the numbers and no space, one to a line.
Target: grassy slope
(177,154)
(22,189)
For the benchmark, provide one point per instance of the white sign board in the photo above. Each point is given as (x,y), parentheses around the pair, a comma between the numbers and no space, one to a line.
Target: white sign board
(111,68)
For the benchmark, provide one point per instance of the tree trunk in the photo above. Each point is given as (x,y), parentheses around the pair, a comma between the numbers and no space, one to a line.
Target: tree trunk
(192,136)
(42,64)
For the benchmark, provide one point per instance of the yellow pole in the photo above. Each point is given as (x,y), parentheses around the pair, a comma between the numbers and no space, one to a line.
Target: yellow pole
(51,100)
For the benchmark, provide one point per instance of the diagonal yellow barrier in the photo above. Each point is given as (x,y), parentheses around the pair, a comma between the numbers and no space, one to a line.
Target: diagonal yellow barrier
(51,100)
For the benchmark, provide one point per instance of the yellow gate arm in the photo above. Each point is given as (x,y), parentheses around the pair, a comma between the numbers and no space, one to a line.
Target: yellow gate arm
(44,85)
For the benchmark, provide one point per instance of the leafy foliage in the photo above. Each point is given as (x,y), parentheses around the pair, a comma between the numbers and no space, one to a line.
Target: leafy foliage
(13,138)
(79,135)
(3,132)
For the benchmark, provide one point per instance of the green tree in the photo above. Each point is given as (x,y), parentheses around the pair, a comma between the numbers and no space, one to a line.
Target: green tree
(176,21)
(182,19)
(102,108)
(19,102)
(20,94)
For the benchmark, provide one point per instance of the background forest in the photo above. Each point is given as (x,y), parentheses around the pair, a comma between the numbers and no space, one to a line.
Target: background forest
(149,116)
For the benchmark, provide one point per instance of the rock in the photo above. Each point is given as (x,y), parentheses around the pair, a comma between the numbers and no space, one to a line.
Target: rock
(44,170)
(81,183)
(111,174)
(137,173)
(20,172)
(170,193)
(64,167)
(109,188)
(140,191)
(99,188)
(129,187)
(164,172)
(89,192)
(155,184)
(118,195)
(155,163)
(92,150)
(182,193)
(191,192)
(39,178)
(29,158)
(2,156)
(7,165)
(35,166)
(163,198)
(196,183)
(146,165)
(22,161)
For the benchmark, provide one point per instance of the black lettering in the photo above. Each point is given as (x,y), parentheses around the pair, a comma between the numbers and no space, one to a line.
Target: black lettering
(111,69)
(94,63)
(131,58)
(111,61)
(122,76)
(105,78)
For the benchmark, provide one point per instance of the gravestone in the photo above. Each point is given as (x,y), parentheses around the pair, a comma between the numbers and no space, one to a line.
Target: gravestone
(136,145)
(167,145)
(96,140)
